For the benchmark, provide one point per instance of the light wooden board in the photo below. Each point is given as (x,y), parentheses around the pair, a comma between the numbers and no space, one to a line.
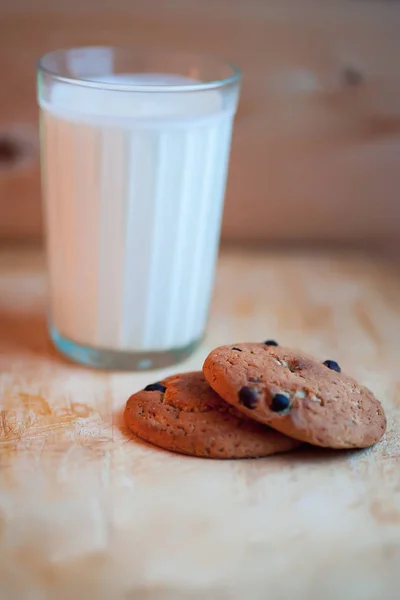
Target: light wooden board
(87,512)
(316,151)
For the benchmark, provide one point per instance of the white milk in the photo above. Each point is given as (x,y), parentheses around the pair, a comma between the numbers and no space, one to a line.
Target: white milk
(133,188)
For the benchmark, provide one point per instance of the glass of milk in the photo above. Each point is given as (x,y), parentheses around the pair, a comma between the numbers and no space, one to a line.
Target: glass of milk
(134,153)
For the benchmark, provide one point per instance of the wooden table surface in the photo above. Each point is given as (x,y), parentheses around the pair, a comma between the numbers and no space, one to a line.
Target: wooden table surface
(88,513)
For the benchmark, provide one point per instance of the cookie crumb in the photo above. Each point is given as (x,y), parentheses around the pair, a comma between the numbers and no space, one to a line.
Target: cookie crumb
(282,362)
(315,398)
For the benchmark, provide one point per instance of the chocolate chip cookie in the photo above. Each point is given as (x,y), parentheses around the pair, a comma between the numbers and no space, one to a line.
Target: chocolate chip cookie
(183,414)
(296,394)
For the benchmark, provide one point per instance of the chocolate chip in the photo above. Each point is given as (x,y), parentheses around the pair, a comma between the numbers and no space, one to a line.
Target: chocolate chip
(235,348)
(332,364)
(271,343)
(155,387)
(248,397)
(9,150)
(352,76)
(280,402)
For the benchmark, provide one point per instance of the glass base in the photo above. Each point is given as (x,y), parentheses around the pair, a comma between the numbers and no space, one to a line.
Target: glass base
(120,360)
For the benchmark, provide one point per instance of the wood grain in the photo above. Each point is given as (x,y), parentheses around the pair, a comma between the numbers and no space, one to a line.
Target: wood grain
(316,145)
(88,512)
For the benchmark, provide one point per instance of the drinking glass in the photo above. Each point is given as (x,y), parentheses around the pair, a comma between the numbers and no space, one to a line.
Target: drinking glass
(134,154)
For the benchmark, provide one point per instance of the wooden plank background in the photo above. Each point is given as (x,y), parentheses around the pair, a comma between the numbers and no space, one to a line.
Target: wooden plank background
(316,151)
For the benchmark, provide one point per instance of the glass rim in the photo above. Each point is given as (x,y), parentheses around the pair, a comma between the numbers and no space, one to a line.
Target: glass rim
(129,87)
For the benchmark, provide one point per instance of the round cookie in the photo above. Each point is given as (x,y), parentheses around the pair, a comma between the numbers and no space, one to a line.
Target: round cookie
(183,414)
(296,394)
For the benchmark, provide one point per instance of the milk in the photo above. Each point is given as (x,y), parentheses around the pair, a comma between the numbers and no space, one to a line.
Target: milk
(133,190)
